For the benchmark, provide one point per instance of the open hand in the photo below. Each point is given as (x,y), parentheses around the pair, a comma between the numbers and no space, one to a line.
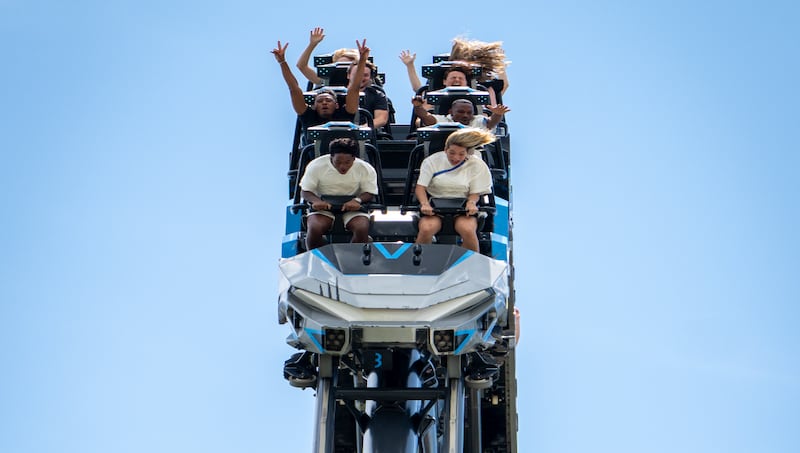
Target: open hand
(498,109)
(317,35)
(407,57)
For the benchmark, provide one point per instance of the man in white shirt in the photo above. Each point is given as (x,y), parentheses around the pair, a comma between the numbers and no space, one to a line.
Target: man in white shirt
(461,111)
(339,173)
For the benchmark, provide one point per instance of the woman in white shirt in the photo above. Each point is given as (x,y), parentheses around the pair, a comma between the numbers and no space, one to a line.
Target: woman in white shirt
(456,172)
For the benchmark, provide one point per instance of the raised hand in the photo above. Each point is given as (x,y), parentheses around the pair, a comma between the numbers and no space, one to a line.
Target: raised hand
(280,52)
(363,50)
(317,35)
(498,109)
(407,57)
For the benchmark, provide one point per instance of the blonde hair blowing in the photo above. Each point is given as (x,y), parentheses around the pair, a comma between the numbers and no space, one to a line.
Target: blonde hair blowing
(346,54)
(489,55)
(470,138)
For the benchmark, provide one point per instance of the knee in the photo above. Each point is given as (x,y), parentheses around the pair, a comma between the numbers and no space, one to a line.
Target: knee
(318,226)
(428,226)
(466,227)
(358,226)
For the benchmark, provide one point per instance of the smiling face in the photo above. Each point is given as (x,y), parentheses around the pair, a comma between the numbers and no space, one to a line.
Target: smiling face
(455,79)
(456,154)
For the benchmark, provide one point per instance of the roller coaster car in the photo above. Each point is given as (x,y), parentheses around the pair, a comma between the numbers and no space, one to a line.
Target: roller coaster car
(410,344)
(409,347)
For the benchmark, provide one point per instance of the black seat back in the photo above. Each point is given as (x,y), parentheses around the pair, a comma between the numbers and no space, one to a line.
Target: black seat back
(430,139)
(443,99)
(435,73)
(322,136)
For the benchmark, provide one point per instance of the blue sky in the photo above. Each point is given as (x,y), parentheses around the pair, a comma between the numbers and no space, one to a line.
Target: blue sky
(143,158)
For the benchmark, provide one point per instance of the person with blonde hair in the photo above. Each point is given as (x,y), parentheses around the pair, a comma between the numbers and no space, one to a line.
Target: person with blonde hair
(490,56)
(456,172)
(456,76)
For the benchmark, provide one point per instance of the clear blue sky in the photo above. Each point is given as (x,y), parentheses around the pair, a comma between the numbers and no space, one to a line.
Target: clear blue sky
(143,155)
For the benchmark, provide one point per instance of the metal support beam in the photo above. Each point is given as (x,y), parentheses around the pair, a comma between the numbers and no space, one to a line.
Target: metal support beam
(475,433)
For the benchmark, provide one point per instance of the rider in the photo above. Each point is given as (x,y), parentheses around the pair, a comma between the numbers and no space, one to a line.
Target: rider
(461,111)
(455,172)
(326,106)
(340,173)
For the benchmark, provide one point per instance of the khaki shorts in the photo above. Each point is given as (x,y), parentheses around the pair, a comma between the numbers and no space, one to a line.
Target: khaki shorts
(346,216)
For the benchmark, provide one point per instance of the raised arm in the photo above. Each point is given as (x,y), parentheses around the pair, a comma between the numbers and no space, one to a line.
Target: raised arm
(317,35)
(298,102)
(424,116)
(503,75)
(354,87)
(408,59)
(497,115)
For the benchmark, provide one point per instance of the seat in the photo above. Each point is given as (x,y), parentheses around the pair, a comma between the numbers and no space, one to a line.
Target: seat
(340,90)
(301,137)
(434,73)
(431,139)
(486,83)
(493,154)
(449,208)
(335,74)
(442,100)
(363,116)
(320,137)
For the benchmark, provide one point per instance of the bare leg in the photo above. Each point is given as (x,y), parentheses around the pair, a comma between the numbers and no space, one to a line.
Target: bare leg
(359,226)
(318,225)
(428,226)
(466,227)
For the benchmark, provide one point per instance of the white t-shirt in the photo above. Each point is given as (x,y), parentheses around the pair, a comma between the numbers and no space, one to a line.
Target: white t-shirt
(478,121)
(322,178)
(445,181)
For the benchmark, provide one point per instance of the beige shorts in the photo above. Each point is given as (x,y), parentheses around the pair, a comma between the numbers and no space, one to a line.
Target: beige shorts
(346,216)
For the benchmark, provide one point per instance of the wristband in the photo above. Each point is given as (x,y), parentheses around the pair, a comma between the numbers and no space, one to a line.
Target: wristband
(358,200)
